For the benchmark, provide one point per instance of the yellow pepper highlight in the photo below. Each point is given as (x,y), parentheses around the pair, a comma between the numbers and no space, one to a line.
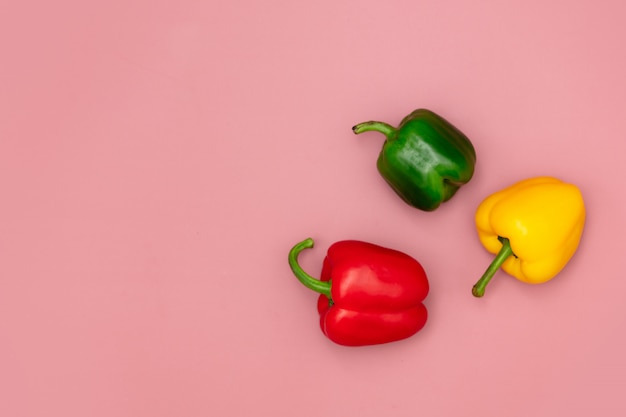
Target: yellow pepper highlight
(534,227)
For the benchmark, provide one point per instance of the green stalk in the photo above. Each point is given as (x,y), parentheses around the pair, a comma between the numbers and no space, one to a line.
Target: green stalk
(479,288)
(381,127)
(322,287)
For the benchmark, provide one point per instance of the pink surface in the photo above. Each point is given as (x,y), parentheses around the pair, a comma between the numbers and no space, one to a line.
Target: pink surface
(158,159)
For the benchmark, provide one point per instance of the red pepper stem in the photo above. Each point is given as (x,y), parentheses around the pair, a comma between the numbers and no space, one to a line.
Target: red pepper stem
(322,287)
(505,252)
(381,127)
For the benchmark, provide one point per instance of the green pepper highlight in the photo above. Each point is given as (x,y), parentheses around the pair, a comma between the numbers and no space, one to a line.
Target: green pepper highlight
(425,159)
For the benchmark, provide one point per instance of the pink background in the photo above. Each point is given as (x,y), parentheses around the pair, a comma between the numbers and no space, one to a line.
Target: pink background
(158,159)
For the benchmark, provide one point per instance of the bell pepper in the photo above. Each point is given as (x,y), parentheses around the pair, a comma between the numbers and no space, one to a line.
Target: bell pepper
(368,294)
(425,159)
(534,228)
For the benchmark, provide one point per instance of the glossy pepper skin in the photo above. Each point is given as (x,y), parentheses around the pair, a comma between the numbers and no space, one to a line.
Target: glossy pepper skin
(369,294)
(534,228)
(425,159)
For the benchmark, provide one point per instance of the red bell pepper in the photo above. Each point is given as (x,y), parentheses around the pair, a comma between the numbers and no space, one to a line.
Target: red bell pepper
(369,294)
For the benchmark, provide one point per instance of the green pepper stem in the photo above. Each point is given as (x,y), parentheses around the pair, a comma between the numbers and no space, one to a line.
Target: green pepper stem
(479,288)
(322,287)
(381,127)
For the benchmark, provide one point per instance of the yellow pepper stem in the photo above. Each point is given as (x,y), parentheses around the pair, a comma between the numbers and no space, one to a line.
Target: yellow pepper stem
(479,288)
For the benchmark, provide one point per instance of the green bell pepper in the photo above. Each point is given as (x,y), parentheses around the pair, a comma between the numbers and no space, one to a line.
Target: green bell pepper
(425,160)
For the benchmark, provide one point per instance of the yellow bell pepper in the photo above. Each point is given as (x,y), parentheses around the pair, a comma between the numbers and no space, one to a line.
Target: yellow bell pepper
(534,227)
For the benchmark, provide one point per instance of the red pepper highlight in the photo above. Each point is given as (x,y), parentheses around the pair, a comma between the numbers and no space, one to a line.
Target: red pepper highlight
(369,294)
